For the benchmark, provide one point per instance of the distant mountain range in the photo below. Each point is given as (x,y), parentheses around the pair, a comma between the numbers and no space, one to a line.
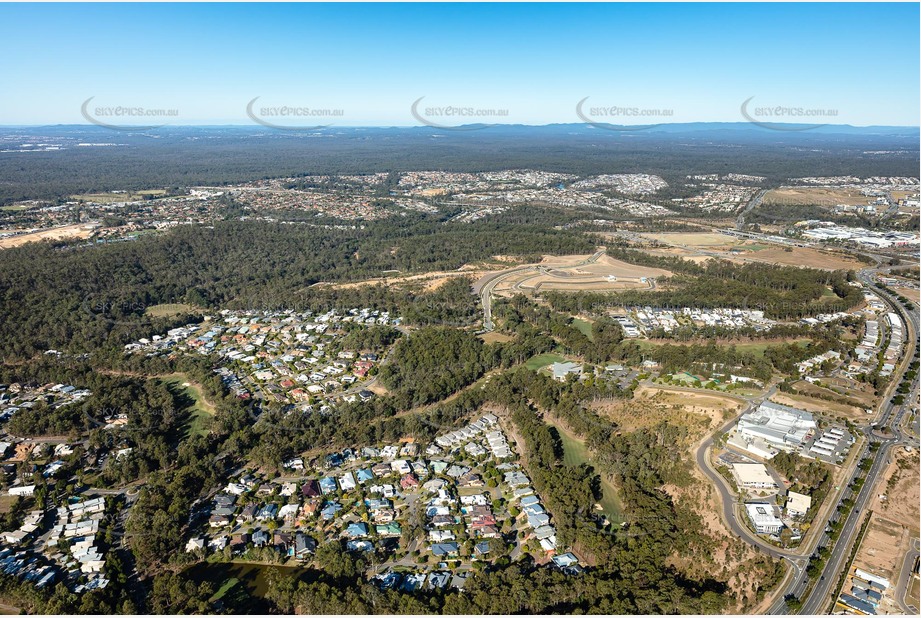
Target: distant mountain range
(672,128)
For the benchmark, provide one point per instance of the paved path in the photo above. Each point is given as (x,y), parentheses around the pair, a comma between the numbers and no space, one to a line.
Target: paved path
(488,287)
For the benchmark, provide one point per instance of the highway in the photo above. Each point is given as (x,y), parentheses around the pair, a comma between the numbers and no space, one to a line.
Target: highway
(752,204)
(796,584)
(818,600)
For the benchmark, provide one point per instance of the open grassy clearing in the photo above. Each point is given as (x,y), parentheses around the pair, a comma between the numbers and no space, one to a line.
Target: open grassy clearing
(819,405)
(584,326)
(575,453)
(800,256)
(170,309)
(753,347)
(698,410)
(494,337)
(6,503)
(821,196)
(199,410)
(860,392)
(695,239)
(542,360)
(741,251)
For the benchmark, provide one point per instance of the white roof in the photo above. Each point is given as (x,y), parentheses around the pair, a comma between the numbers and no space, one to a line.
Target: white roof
(762,514)
(798,503)
(752,473)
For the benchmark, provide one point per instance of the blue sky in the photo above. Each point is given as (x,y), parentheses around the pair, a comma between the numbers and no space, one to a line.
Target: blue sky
(537,61)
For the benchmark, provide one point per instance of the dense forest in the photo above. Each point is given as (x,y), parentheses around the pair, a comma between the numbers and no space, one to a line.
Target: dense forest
(185,156)
(782,292)
(81,299)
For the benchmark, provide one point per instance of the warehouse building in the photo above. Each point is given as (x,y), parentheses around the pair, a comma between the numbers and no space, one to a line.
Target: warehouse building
(780,426)
(753,476)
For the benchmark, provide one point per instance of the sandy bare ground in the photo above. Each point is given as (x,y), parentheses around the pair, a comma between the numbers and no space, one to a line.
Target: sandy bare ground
(901,487)
(562,273)
(823,196)
(724,554)
(430,281)
(741,251)
(912,294)
(799,256)
(82,230)
(881,553)
(695,239)
(545,282)
(895,507)
(818,405)
(690,256)
(22,451)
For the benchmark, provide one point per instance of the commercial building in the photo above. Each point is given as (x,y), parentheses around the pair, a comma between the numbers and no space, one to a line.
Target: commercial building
(780,426)
(797,504)
(763,518)
(753,476)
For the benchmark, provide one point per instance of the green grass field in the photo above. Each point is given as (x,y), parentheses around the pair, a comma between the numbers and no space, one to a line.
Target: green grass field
(170,309)
(199,411)
(575,453)
(224,589)
(111,198)
(542,360)
(756,347)
(584,326)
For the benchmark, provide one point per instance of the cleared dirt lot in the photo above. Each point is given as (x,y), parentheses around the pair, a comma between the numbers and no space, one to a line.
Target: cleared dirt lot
(912,294)
(82,230)
(800,256)
(818,405)
(573,274)
(902,487)
(695,239)
(822,196)
(740,251)
(881,553)
(429,281)
(685,254)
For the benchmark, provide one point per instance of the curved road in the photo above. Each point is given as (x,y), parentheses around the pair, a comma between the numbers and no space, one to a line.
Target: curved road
(905,576)
(818,597)
(489,286)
